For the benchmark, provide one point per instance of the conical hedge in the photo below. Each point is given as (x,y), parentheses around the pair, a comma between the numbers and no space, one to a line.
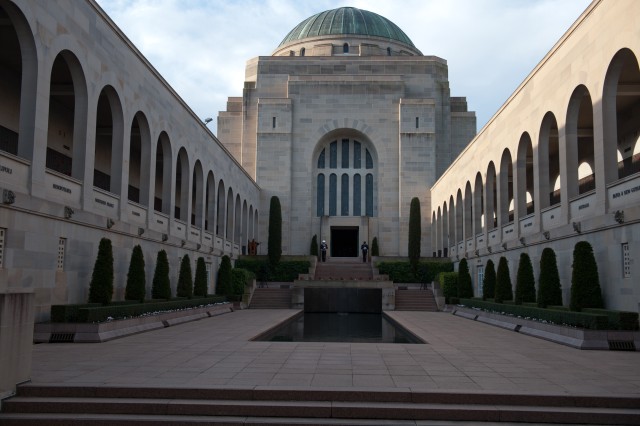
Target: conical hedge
(136,281)
(525,282)
(375,250)
(200,281)
(161,287)
(185,280)
(415,234)
(489,281)
(585,283)
(101,286)
(313,249)
(465,287)
(503,282)
(549,289)
(224,277)
(274,243)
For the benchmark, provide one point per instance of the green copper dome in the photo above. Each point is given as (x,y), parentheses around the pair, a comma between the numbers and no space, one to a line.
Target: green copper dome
(347,20)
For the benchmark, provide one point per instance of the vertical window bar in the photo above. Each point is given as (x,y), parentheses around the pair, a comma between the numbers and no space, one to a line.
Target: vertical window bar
(333,155)
(333,194)
(369,195)
(321,160)
(320,196)
(357,196)
(357,153)
(345,153)
(344,198)
(369,160)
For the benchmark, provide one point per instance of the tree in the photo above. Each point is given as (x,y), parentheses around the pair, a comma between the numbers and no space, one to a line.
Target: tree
(585,283)
(489,281)
(200,281)
(465,287)
(136,281)
(101,286)
(224,277)
(313,249)
(525,282)
(549,288)
(415,234)
(503,282)
(375,250)
(185,281)
(161,287)
(274,249)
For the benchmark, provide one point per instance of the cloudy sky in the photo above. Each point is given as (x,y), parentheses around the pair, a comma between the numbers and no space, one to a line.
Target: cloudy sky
(201,46)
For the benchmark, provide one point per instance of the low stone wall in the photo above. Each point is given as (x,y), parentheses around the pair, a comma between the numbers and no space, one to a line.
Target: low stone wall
(568,336)
(102,332)
(16,336)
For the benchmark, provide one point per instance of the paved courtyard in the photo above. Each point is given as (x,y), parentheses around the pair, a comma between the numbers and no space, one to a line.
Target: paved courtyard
(460,354)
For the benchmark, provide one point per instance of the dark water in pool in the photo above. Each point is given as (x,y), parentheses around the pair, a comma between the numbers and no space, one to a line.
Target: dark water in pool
(332,327)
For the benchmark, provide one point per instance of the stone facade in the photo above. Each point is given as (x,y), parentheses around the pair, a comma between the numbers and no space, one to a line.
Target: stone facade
(558,163)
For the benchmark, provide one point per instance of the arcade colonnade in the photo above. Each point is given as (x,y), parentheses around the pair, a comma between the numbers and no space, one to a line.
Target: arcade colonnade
(94,142)
(559,162)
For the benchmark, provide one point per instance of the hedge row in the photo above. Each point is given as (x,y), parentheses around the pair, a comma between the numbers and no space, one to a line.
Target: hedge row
(239,278)
(284,271)
(69,313)
(618,320)
(97,313)
(576,319)
(401,272)
(449,285)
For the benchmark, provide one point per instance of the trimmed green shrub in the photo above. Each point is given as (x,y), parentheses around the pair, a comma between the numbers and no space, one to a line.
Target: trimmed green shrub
(449,285)
(574,319)
(161,287)
(224,277)
(503,282)
(69,313)
(102,313)
(375,250)
(585,283)
(489,281)
(401,271)
(618,320)
(185,281)
(136,281)
(415,234)
(200,281)
(549,289)
(525,283)
(284,271)
(240,278)
(101,286)
(274,248)
(313,250)
(465,287)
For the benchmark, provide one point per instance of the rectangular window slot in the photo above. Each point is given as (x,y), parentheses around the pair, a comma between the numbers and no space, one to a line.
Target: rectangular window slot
(3,232)
(417,122)
(626,261)
(62,242)
(273,123)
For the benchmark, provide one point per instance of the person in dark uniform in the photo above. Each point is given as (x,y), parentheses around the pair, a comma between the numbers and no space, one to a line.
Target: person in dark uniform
(323,250)
(365,249)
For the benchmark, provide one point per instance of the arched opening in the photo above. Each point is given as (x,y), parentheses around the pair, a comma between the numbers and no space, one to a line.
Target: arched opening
(505,213)
(107,171)
(549,162)
(221,211)
(525,176)
(478,202)
(468,211)
(580,144)
(452,224)
(237,222)
(209,216)
(492,198)
(197,194)
(445,230)
(459,218)
(345,48)
(302,51)
(251,232)
(181,209)
(230,217)
(162,192)
(621,108)
(244,231)
(67,127)
(139,169)
(18,77)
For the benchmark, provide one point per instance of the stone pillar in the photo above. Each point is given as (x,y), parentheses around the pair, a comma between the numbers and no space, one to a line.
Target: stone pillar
(16,339)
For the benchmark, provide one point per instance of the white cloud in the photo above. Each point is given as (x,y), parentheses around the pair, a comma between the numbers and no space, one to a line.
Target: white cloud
(201,46)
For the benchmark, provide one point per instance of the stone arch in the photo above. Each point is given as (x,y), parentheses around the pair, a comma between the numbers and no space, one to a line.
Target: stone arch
(580,143)
(445,230)
(209,215)
(229,224)
(139,164)
(468,212)
(548,162)
(452,224)
(479,219)
(491,210)
(107,167)
(505,188)
(237,220)
(524,194)
(163,171)
(197,196)
(182,188)
(459,218)
(221,210)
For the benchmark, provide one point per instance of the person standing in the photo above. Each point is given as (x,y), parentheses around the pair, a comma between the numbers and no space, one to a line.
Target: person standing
(323,250)
(365,249)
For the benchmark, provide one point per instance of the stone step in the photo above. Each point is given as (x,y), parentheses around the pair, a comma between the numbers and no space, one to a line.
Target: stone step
(271,298)
(306,411)
(415,300)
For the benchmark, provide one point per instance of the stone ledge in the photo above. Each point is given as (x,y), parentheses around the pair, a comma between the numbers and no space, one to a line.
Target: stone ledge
(574,337)
(105,331)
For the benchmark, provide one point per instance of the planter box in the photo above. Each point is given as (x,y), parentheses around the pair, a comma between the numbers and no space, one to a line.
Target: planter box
(568,336)
(104,331)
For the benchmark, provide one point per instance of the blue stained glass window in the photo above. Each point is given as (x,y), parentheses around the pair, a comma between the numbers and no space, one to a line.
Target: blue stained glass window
(344,198)
(357,196)
(357,154)
(345,153)
(369,195)
(320,196)
(369,160)
(333,155)
(321,160)
(333,194)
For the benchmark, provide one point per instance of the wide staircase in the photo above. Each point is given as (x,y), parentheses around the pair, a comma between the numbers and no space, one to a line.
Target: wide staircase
(271,298)
(344,268)
(415,300)
(53,405)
